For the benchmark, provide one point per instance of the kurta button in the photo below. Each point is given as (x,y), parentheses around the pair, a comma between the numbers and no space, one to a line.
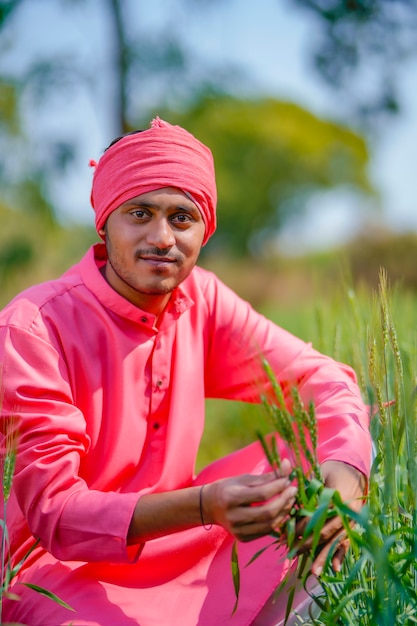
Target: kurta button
(156,425)
(144,319)
(159,382)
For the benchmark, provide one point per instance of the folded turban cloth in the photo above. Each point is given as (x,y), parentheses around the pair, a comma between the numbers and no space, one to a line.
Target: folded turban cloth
(161,156)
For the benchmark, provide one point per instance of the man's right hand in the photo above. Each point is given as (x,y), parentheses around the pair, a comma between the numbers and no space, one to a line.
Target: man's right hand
(249,506)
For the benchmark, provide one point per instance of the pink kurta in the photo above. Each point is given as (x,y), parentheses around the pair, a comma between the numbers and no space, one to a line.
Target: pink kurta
(112,407)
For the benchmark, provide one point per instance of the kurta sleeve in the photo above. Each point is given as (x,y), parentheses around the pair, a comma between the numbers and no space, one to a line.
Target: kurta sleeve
(72,521)
(240,338)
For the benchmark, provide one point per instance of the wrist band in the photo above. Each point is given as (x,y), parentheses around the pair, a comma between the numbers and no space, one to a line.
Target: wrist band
(201,510)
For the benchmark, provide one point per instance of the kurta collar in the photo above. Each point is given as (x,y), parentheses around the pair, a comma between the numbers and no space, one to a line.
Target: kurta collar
(91,275)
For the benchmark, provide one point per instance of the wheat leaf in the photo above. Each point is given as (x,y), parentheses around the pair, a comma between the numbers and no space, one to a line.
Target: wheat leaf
(48,594)
(235,574)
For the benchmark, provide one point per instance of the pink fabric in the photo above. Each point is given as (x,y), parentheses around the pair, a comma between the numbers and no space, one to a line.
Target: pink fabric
(162,156)
(112,407)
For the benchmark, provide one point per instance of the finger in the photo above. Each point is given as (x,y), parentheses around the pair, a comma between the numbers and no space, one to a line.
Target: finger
(285,469)
(283,505)
(260,494)
(328,532)
(271,511)
(255,530)
(263,519)
(339,555)
(285,499)
(321,558)
(254,480)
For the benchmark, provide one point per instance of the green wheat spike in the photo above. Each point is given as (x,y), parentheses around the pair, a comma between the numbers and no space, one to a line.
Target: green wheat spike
(8,472)
(303,423)
(270,453)
(9,460)
(276,387)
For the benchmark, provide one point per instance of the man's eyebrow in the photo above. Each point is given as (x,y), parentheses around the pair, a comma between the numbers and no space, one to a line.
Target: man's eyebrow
(148,204)
(144,203)
(190,208)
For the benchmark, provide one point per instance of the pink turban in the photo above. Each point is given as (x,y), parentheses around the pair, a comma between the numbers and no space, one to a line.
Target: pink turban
(161,156)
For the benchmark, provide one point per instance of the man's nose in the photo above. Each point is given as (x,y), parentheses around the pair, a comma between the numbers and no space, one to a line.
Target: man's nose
(160,233)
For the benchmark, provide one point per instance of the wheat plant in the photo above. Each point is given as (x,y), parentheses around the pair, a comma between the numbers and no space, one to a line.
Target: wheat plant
(315,504)
(377,585)
(9,571)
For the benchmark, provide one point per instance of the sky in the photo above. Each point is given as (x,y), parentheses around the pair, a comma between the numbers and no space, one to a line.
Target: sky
(270,40)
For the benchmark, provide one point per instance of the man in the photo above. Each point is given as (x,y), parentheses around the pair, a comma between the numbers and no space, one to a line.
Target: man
(106,371)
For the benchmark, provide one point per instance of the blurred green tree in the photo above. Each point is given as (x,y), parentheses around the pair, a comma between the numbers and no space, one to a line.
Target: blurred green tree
(361,50)
(271,156)
(23,182)
(139,68)
(31,251)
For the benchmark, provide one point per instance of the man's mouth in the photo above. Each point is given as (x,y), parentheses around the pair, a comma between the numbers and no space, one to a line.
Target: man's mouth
(157,259)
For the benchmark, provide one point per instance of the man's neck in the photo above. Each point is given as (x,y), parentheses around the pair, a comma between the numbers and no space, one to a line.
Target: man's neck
(150,303)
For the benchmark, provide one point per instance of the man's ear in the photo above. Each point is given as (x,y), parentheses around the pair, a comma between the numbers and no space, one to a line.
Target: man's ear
(102,232)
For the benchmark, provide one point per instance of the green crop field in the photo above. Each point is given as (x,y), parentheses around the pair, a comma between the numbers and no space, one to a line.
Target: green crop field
(374,330)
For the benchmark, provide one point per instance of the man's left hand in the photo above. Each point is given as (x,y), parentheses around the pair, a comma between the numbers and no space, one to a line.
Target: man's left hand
(350,483)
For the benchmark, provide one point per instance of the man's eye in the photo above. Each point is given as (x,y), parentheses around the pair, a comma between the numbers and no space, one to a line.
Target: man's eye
(182,218)
(138,213)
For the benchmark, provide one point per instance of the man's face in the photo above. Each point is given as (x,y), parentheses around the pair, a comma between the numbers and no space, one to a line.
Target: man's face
(153,242)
